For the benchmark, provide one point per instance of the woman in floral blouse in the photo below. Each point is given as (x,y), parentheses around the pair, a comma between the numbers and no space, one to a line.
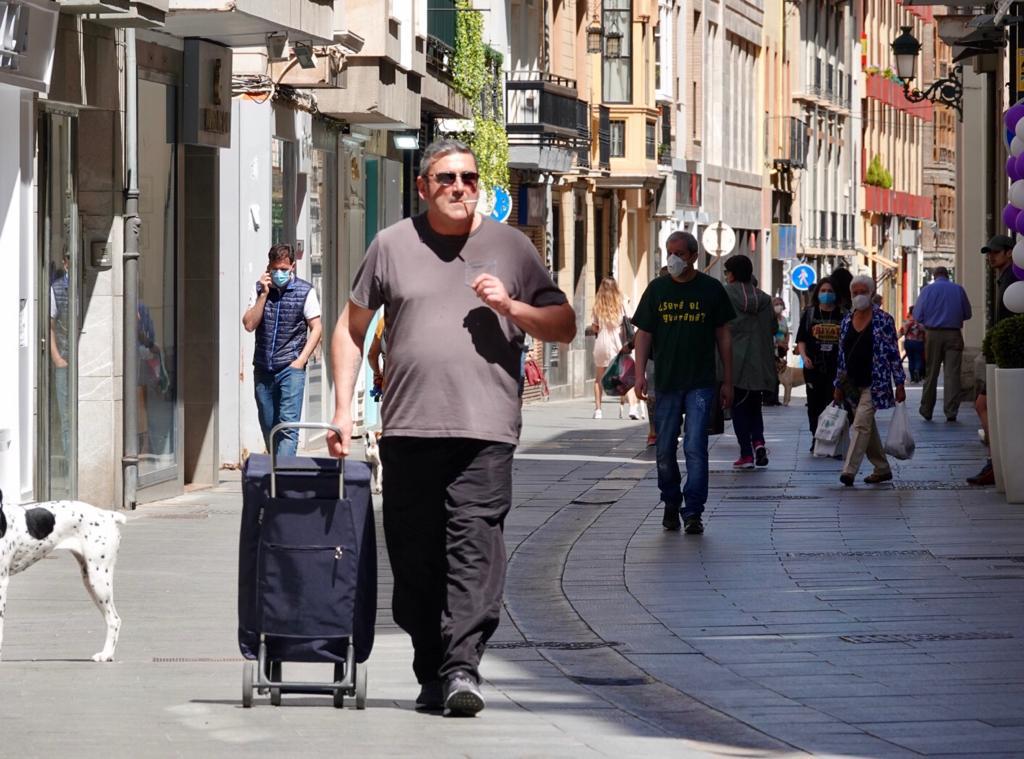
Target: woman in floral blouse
(869,365)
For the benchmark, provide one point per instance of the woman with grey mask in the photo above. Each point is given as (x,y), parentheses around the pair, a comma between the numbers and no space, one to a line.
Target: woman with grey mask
(869,366)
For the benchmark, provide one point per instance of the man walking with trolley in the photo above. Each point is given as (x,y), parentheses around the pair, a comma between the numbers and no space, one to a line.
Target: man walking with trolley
(459,292)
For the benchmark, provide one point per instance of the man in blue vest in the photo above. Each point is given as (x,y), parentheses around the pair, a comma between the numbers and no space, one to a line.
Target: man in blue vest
(282,310)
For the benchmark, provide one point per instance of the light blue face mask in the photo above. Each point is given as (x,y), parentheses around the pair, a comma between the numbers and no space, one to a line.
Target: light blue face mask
(826,299)
(280,277)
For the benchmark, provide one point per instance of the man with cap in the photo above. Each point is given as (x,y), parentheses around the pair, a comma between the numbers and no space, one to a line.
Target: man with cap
(999,255)
(942,307)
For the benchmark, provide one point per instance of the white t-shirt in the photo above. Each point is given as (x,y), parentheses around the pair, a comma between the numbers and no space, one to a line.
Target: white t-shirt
(310,309)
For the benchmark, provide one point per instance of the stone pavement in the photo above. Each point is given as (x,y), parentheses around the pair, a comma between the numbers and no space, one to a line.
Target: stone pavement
(810,618)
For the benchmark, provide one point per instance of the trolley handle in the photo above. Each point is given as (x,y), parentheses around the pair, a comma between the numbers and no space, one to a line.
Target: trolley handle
(303,426)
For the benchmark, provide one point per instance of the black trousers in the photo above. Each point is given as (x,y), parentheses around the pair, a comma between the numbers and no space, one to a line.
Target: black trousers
(819,395)
(747,421)
(445,501)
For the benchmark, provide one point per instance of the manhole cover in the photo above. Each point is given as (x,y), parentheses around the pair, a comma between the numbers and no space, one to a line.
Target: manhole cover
(775,497)
(933,485)
(555,645)
(613,681)
(196,659)
(923,637)
(856,554)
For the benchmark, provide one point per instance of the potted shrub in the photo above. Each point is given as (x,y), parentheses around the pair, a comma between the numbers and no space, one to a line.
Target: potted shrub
(1008,347)
(993,414)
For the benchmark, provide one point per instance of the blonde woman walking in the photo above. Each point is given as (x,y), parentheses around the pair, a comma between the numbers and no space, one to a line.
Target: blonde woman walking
(606,320)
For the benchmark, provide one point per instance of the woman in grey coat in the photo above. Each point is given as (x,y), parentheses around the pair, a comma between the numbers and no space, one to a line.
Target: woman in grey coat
(753,359)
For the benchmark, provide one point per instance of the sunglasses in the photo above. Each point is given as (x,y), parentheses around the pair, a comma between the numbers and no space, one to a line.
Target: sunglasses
(447,178)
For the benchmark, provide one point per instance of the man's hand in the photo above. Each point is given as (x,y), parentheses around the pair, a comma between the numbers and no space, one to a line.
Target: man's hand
(265,281)
(725,395)
(298,363)
(808,364)
(640,387)
(838,395)
(339,448)
(492,292)
(59,362)
(901,394)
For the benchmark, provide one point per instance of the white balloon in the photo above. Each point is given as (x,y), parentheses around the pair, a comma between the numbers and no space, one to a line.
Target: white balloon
(1019,129)
(1017,146)
(1017,194)
(1013,298)
(1018,254)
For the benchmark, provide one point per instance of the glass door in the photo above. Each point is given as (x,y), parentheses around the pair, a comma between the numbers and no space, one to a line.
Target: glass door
(60,310)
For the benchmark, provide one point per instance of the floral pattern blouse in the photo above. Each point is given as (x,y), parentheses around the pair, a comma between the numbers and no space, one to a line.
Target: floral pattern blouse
(887,367)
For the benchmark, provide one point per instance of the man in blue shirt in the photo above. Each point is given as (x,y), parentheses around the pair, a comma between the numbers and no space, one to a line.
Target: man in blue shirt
(942,307)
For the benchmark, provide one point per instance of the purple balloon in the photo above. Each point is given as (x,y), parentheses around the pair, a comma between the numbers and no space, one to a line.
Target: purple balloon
(1020,166)
(1010,214)
(1020,223)
(1019,272)
(1013,114)
(1011,168)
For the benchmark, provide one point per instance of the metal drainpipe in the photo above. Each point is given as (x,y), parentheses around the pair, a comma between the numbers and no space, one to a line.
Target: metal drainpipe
(132,223)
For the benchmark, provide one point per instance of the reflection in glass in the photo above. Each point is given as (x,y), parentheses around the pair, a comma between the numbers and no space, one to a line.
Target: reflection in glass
(156,335)
(60,235)
(277,205)
(318,251)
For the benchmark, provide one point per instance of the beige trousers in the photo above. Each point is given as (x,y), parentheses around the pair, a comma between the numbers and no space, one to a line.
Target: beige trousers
(864,438)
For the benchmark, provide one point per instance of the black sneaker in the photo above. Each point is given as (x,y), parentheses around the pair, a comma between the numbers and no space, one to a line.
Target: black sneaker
(670,521)
(431,695)
(462,695)
(693,526)
(846,479)
(761,456)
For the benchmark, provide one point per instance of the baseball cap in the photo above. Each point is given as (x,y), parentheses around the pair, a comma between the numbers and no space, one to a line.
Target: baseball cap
(999,242)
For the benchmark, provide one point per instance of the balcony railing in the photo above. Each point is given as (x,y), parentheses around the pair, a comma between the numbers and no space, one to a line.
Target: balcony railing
(540,104)
(583,134)
(604,137)
(794,144)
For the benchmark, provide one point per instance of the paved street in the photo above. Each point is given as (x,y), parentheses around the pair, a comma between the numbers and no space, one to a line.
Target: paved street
(872,621)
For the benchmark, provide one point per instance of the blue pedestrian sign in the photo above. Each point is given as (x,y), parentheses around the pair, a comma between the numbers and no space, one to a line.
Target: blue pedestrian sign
(502,204)
(802,277)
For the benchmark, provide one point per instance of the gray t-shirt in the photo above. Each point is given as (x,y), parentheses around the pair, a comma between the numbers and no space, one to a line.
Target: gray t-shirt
(454,366)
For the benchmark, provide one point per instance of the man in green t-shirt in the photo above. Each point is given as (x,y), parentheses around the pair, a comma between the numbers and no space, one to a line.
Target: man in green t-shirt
(681,319)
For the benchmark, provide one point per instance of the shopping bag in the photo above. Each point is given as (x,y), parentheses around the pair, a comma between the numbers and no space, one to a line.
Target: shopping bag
(831,424)
(834,448)
(899,443)
(620,376)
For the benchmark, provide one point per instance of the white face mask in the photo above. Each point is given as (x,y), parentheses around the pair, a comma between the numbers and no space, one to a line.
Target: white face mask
(677,266)
(860,302)
(779,308)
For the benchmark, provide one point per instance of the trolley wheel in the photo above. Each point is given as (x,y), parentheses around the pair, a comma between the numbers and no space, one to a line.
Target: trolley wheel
(275,676)
(361,678)
(339,693)
(248,669)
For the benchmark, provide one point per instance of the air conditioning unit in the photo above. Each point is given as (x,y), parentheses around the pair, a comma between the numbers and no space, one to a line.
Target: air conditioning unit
(910,238)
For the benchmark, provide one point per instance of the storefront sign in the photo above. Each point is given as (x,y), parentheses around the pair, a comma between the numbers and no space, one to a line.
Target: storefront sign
(207,94)
(28,29)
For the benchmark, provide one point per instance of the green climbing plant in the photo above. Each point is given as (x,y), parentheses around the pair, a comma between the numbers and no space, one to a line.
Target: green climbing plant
(476,70)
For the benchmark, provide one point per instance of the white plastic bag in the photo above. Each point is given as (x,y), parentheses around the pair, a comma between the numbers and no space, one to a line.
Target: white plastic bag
(831,424)
(899,443)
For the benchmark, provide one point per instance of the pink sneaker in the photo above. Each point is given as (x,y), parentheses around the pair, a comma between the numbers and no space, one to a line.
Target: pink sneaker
(743,462)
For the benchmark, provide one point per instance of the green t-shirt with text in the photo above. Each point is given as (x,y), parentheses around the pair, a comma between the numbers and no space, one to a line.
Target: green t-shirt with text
(682,318)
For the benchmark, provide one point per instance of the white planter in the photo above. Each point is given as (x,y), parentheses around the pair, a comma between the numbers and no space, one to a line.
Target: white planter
(994,427)
(1010,406)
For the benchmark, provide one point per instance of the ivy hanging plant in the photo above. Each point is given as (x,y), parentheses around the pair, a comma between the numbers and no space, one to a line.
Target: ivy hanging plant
(477,73)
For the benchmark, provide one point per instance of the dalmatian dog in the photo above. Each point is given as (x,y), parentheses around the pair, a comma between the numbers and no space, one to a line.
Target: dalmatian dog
(372,446)
(28,533)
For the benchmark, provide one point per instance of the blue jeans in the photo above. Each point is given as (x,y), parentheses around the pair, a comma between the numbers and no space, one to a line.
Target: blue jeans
(669,407)
(279,399)
(915,357)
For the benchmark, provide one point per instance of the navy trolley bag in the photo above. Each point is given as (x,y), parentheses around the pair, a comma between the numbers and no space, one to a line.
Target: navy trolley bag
(307,572)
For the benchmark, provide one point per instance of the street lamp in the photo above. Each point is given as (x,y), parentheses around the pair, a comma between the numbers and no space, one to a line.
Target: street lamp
(949,91)
(613,44)
(594,35)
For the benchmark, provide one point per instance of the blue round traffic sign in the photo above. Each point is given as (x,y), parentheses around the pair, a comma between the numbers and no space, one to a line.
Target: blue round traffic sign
(803,277)
(502,204)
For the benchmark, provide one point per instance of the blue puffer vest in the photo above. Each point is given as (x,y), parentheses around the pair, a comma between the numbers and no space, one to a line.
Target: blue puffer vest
(281,335)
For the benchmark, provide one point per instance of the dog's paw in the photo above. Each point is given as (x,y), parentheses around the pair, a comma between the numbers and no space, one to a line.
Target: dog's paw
(103,656)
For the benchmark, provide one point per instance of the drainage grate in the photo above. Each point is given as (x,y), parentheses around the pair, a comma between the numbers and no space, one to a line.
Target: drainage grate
(778,497)
(196,659)
(856,554)
(923,637)
(182,515)
(555,645)
(932,485)
(1017,559)
(614,681)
